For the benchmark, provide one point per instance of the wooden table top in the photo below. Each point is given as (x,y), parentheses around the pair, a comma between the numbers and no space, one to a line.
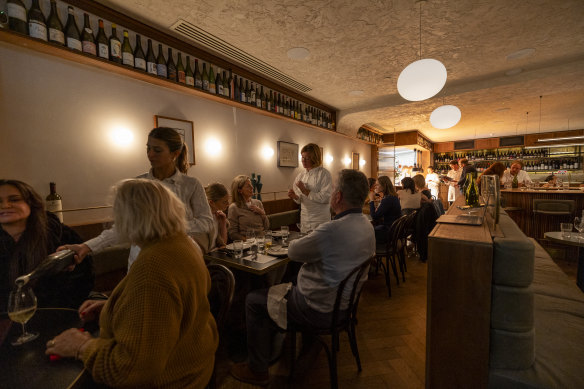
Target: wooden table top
(456,232)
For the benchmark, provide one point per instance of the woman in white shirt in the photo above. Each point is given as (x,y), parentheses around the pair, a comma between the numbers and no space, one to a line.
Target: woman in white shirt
(432,181)
(409,198)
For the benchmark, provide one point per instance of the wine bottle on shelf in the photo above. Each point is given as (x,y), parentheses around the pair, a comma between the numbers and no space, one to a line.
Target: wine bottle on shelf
(247,92)
(53,264)
(286,107)
(17,19)
(225,85)
(102,41)
(241,91)
(56,34)
(171,67)
(219,83)
(87,40)
(127,52)
(205,77)
(189,79)
(161,63)
(236,94)
(212,85)
(53,201)
(72,31)
(3,19)
(258,98)
(230,84)
(270,102)
(263,98)
(115,46)
(37,26)
(198,76)
(180,69)
(139,57)
(252,95)
(151,66)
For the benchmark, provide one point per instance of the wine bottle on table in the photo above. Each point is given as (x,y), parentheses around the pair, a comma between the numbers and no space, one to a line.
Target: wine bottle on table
(72,31)
(151,65)
(127,52)
(198,76)
(180,69)
(53,201)
(37,27)
(205,77)
(56,34)
(212,86)
(87,40)
(170,66)
(139,57)
(189,77)
(102,42)
(115,46)
(17,19)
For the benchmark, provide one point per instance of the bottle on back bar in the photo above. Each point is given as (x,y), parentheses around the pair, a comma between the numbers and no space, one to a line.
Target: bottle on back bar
(270,103)
(236,94)
(56,34)
(241,91)
(212,85)
(252,95)
(127,52)
(170,66)
(37,27)
(189,77)
(53,264)
(180,69)
(219,83)
(53,201)
(87,40)
(102,42)
(247,92)
(72,31)
(115,46)
(231,85)
(225,85)
(205,77)
(151,66)
(198,76)
(139,57)
(161,63)
(17,19)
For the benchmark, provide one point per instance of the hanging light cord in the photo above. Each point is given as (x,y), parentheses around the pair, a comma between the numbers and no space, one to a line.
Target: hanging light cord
(420,30)
(539,130)
(526,120)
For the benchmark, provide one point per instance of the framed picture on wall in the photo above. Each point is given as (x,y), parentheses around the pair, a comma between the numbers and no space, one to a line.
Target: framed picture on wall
(355,161)
(184,128)
(287,154)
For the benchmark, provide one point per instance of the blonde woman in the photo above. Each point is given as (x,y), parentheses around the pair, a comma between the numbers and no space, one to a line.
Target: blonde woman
(244,212)
(156,329)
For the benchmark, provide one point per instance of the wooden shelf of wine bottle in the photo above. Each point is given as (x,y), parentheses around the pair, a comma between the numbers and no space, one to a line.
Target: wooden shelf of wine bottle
(62,52)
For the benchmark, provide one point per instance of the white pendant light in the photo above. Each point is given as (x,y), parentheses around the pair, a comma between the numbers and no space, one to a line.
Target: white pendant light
(423,78)
(445,116)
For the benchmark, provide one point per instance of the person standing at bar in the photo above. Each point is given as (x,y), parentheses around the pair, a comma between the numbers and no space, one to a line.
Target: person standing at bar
(515,171)
(168,156)
(454,175)
(312,189)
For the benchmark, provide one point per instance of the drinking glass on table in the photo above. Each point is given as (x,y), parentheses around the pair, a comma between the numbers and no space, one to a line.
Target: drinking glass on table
(285,232)
(237,249)
(566,229)
(267,241)
(261,239)
(22,304)
(250,236)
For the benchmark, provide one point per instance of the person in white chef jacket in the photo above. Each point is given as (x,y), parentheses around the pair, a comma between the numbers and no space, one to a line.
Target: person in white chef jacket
(312,189)
(454,174)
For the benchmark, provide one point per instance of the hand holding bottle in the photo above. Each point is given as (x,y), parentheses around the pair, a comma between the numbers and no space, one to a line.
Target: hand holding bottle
(81,251)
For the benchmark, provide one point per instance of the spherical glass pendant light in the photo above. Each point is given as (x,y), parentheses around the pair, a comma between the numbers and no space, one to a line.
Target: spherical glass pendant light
(421,79)
(445,117)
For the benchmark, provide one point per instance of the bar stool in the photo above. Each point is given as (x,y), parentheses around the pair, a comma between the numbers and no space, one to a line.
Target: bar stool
(548,213)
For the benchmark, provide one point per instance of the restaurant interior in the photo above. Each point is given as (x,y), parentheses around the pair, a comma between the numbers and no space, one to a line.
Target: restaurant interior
(513,72)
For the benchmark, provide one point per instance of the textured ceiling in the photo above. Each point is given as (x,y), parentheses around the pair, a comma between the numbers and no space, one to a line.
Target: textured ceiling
(364,45)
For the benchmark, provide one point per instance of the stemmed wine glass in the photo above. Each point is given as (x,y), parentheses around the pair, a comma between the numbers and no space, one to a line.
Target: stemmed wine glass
(579,225)
(22,304)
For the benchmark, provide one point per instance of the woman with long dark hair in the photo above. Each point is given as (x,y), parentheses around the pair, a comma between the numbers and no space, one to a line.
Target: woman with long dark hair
(389,209)
(409,198)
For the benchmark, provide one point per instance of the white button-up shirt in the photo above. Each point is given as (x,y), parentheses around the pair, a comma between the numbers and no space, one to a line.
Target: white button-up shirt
(522,177)
(315,208)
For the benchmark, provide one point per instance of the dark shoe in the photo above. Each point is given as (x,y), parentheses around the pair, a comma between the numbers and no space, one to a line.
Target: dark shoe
(243,373)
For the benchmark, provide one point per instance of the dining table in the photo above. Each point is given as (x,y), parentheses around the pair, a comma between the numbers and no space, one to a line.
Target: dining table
(571,239)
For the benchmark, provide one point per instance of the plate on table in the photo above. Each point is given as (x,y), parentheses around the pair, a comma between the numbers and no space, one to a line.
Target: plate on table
(246,245)
(278,251)
(278,234)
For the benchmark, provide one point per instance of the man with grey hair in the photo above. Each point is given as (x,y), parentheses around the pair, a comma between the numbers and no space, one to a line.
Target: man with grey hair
(328,255)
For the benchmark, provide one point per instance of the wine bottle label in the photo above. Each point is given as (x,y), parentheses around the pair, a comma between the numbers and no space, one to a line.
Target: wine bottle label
(128,59)
(212,88)
(206,85)
(258,103)
(103,50)
(252,96)
(116,49)
(181,76)
(243,97)
(220,91)
(55,206)
(190,80)
(140,63)
(37,29)
(56,36)
(89,47)
(161,70)
(16,11)
(198,83)
(74,44)
(152,68)
(269,105)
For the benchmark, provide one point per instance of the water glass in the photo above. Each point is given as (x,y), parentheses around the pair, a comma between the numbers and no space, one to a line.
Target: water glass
(267,241)
(566,229)
(285,232)
(251,239)
(261,239)
(238,249)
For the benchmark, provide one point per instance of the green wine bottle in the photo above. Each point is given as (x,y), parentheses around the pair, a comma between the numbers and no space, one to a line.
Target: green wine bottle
(252,95)
(56,34)
(263,98)
(72,31)
(212,85)
(161,69)
(115,46)
(102,41)
(17,20)
(37,27)
(139,57)
(205,77)
(515,182)
(87,40)
(198,76)
(170,66)
(471,193)
(225,85)
(127,52)
(189,77)
(151,66)
(180,69)
(219,83)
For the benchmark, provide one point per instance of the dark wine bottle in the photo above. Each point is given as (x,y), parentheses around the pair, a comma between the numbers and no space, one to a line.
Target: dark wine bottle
(180,69)
(225,85)
(263,98)
(219,84)
(37,26)
(17,19)
(150,59)
(170,66)
(258,98)
(53,264)
(161,69)
(127,52)
(252,95)
(102,41)
(247,92)
(87,40)
(212,86)
(241,91)
(231,85)
(139,57)
(56,34)
(72,31)
(270,104)
(198,76)
(115,45)
(189,77)
(54,202)
(235,91)
(205,77)
(3,19)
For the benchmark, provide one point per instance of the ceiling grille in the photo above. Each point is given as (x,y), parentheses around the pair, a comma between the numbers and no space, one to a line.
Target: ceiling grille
(218,45)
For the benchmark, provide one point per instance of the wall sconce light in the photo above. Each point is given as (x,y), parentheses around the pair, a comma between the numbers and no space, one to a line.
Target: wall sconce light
(346,161)
(328,159)
(121,136)
(362,163)
(213,147)
(267,152)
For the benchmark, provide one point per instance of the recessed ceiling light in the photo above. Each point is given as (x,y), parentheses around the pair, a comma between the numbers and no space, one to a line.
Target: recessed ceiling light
(356,93)
(504,109)
(298,53)
(523,53)
(513,72)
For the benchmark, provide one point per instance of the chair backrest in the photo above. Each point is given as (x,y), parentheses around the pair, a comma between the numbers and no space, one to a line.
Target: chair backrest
(438,206)
(358,273)
(221,293)
(554,207)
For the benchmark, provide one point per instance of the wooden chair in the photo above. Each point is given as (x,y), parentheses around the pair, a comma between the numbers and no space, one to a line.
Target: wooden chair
(338,323)
(388,250)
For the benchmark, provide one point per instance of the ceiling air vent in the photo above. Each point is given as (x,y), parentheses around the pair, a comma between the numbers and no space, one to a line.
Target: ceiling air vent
(218,45)
(464,145)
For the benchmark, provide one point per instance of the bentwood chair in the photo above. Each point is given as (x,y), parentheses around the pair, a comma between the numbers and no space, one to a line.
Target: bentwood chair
(220,297)
(342,320)
(387,250)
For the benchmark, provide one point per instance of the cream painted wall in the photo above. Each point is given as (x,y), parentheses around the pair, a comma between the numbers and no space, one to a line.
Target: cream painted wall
(56,117)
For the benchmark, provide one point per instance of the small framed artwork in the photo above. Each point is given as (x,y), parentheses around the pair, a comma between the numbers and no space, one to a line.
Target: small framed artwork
(355,161)
(184,128)
(287,154)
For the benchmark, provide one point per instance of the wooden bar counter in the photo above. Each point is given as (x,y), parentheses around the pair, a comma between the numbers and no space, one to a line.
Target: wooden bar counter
(519,205)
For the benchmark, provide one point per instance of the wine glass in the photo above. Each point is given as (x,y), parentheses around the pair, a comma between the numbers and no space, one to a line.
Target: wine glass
(250,237)
(22,304)
(579,225)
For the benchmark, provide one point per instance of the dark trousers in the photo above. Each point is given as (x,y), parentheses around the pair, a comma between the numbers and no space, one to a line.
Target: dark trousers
(261,329)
